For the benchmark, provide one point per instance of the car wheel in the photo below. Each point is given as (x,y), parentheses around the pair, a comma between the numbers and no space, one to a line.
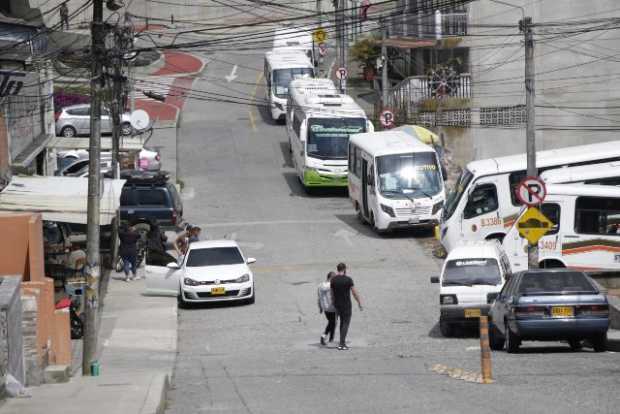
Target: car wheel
(599,342)
(496,341)
(446,329)
(512,341)
(575,344)
(68,132)
(125,129)
(181,302)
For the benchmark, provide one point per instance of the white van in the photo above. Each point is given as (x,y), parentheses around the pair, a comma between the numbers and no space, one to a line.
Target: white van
(319,121)
(483,204)
(471,277)
(607,173)
(395,181)
(281,67)
(585,234)
(294,38)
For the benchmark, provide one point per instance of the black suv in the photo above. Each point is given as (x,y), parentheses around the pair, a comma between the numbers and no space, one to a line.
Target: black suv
(149,195)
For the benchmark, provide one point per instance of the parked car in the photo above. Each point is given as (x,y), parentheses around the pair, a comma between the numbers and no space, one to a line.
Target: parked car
(149,195)
(74,120)
(79,168)
(211,271)
(470,279)
(548,305)
(148,160)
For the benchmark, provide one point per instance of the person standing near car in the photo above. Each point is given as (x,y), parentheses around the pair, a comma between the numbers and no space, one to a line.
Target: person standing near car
(64,16)
(326,305)
(129,252)
(342,288)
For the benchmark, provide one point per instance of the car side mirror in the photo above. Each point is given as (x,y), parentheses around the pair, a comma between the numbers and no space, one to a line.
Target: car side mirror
(250,260)
(173,265)
(434,279)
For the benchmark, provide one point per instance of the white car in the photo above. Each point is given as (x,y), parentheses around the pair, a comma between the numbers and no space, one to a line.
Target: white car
(471,277)
(211,271)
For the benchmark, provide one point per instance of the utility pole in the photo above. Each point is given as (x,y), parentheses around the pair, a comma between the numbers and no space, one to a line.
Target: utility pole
(525,26)
(115,109)
(93,263)
(384,65)
(342,41)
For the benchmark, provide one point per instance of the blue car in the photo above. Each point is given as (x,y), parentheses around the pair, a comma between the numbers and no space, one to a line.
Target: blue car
(549,305)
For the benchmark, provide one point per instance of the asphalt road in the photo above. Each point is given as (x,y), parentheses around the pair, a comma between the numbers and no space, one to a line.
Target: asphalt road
(266,357)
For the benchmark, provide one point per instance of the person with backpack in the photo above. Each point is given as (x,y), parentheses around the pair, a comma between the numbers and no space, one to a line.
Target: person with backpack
(326,305)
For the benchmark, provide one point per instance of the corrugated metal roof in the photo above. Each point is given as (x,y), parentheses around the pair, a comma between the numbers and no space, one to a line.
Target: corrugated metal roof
(62,199)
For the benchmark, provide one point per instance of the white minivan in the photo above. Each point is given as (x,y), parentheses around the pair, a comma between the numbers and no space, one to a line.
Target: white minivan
(471,277)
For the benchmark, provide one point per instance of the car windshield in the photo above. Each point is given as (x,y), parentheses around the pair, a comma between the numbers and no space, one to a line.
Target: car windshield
(214,256)
(560,283)
(454,196)
(474,271)
(409,174)
(282,78)
(328,138)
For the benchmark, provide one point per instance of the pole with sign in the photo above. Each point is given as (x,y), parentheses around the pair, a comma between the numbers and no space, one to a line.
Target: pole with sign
(532,225)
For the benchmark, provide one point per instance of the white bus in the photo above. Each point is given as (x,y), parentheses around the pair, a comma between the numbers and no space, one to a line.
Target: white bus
(585,234)
(281,67)
(607,173)
(395,181)
(483,205)
(294,38)
(319,121)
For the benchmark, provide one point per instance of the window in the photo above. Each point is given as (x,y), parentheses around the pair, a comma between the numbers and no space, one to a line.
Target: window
(552,212)
(352,159)
(358,162)
(482,200)
(79,111)
(605,181)
(151,197)
(597,215)
(472,271)
(563,283)
(513,181)
(127,198)
(216,256)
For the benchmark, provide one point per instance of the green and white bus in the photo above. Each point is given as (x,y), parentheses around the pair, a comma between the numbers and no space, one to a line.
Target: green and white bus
(319,121)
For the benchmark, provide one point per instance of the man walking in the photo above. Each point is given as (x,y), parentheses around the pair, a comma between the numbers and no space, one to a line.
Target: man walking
(342,289)
(64,16)
(129,251)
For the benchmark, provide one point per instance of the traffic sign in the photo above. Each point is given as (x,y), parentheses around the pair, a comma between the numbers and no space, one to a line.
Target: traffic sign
(319,35)
(531,191)
(533,225)
(387,118)
(322,49)
(341,73)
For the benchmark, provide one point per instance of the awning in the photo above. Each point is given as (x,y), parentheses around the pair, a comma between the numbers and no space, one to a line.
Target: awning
(62,199)
(126,143)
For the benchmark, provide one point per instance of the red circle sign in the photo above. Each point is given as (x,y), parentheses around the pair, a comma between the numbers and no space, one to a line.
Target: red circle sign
(531,191)
(387,118)
(341,73)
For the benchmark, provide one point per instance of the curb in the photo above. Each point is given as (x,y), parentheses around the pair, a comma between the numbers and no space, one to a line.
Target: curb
(155,401)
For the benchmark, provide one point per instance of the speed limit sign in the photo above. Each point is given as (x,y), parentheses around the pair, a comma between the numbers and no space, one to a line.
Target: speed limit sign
(387,118)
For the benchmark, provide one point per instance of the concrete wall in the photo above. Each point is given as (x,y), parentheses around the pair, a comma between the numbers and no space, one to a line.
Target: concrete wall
(11,344)
(576,70)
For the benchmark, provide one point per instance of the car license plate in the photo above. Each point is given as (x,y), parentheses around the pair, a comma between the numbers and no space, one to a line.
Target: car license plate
(218,291)
(472,313)
(562,311)
(414,220)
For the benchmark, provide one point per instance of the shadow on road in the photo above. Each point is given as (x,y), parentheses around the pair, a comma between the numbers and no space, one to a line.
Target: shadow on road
(364,228)
(297,189)
(286,155)
(459,332)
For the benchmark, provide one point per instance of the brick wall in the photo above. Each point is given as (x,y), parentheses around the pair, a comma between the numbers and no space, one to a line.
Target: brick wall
(11,339)
(4,153)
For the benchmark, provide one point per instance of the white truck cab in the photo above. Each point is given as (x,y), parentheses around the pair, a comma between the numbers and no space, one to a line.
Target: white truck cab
(471,277)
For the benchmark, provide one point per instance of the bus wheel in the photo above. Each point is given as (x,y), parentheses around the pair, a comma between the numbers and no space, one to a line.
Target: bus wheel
(551,264)
(498,237)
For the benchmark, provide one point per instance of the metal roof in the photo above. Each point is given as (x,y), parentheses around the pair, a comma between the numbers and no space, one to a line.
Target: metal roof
(388,142)
(62,199)
(126,143)
(320,97)
(582,173)
(288,59)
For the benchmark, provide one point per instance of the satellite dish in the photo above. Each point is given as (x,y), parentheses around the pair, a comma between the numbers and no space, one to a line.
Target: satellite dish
(139,119)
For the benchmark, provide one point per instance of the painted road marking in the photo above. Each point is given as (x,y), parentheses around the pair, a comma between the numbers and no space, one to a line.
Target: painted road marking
(269,223)
(259,79)
(252,122)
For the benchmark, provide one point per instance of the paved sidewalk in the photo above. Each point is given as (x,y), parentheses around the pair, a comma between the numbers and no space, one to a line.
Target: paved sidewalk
(138,340)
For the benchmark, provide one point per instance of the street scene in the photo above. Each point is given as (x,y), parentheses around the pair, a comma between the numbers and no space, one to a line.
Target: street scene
(309,206)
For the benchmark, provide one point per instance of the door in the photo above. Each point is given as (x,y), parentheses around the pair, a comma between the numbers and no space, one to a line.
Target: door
(161,280)
(371,193)
(481,216)
(515,247)
(81,120)
(549,247)
(365,187)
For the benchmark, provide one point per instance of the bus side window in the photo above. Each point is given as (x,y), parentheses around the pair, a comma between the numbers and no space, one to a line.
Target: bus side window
(352,159)
(513,181)
(597,215)
(481,201)
(552,212)
(358,162)
(371,176)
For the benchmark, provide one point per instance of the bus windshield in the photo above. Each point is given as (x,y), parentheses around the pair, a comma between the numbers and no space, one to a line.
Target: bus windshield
(414,174)
(328,138)
(282,78)
(457,193)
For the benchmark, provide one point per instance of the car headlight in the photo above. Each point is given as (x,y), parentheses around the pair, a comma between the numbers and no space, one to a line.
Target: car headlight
(447,299)
(190,282)
(388,210)
(437,207)
(244,278)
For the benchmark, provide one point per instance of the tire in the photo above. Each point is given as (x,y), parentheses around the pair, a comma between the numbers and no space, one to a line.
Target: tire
(599,342)
(181,303)
(446,329)
(68,132)
(575,344)
(496,341)
(126,129)
(512,341)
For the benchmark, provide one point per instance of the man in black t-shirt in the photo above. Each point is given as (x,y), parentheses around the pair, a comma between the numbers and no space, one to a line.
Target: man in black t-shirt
(342,288)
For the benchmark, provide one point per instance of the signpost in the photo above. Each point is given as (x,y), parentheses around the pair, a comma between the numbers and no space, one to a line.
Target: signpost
(533,225)
(319,35)
(386,118)
(531,191)
(341,73)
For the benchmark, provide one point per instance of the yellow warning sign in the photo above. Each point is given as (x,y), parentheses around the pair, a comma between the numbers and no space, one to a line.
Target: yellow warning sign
(533,225)
(319,35)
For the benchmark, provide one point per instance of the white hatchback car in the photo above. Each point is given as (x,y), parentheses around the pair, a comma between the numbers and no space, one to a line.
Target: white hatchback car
(471,277)
(211,271)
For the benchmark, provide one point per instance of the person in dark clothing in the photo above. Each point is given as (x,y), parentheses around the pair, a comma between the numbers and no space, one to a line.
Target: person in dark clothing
(64,16)
(156,254)
(342,288)
(129,251)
